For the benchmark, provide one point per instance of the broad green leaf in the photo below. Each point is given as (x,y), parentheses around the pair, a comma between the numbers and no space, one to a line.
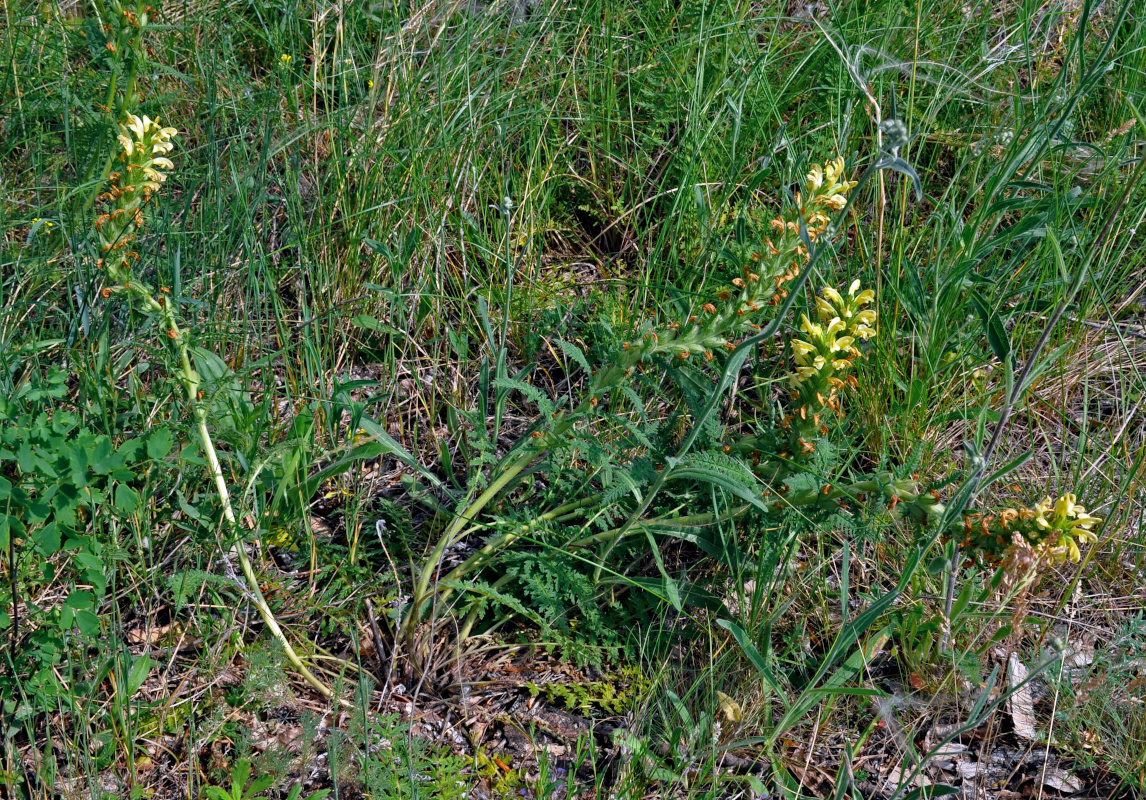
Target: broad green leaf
(140,668)
(159,443)
(994,329)
(391,446)
(80,598)
(47,539)
(87,622)
(126,499)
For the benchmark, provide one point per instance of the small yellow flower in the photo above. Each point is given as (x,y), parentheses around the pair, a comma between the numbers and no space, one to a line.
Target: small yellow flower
(369,84)
(285,58)
(815,179)
(809,327)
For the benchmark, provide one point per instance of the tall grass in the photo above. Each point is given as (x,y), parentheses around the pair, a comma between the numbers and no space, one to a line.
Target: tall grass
(374,200)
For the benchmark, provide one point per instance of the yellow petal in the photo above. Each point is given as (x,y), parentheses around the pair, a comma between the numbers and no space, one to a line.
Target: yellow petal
(824,309)
(800,347)
(135,124)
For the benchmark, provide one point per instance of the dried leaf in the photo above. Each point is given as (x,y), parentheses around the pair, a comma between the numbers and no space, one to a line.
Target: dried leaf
(1062,781)
(1021,703)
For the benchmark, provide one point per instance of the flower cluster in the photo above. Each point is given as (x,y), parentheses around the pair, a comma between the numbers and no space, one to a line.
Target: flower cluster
(827,187)
(778,260)
(144,145)
(830,347)
(826,352)
(1052,527)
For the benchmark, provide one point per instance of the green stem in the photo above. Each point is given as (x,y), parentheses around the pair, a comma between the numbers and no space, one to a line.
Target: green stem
(245,563)
(458,528)
(481,557)
(190,381)
(453,534)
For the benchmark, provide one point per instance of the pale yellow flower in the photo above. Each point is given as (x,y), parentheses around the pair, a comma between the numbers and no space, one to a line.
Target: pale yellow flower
(815,179)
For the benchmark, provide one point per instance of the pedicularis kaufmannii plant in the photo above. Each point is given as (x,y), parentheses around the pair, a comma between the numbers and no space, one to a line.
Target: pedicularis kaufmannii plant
(140,170)
(823,354)
(780,474)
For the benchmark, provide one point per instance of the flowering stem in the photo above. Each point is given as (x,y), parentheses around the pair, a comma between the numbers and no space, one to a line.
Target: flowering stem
(144,163)
(189,379)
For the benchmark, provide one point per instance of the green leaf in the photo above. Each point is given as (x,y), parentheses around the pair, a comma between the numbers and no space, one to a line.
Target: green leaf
(159,443)
(140,668)
(126,499)
(80,598)
(362,452)
(754,656)
(239,774)
(544,404)
(369,323)
(391,446)
(47,539)
(1006,469)
(670,584)
(259,785)
(574,352)
(994,329)
(87,622)
(719,470)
